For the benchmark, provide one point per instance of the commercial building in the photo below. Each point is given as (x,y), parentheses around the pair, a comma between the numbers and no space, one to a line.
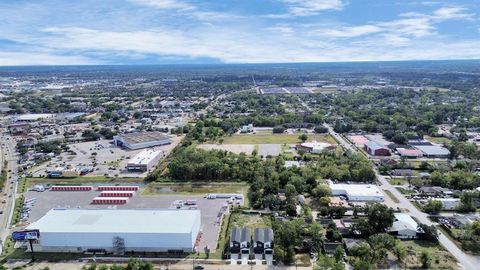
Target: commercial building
(404,227)
(117,231)
(409,153)
(315,147)
(358,140)
(357,192)
(433,151)
(32,117)
(139,140)
(376,149)
(145,160)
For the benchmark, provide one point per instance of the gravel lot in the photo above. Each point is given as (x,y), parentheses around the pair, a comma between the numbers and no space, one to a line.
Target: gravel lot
(82,199)
(234,148)
(269,149)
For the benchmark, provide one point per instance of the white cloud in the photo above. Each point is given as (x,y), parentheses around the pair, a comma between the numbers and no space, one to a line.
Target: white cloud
(165,4)
(307,7)
(42,58)
(350,32)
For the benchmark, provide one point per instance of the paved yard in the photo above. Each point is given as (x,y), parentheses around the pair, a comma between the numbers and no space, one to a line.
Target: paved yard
(78,199)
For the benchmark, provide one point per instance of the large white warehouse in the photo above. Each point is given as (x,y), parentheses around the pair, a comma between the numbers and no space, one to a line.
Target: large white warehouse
(117,231)
(357,192)
(145,160)
(139,140)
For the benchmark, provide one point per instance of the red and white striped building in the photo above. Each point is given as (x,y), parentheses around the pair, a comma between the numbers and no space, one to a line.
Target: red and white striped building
(109,193)
(71,188)
(118,188)
(110,200)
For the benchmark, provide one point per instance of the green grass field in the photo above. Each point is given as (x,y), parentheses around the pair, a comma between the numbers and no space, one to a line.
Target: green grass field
(390,194)
(439,140)
(273,139)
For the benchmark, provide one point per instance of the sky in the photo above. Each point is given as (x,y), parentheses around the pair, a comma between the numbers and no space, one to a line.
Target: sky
(87,32)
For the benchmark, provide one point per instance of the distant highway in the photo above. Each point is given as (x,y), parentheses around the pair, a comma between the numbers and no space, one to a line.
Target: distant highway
(468,261)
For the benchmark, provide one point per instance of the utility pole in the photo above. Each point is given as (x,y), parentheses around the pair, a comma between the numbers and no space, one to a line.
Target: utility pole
(31,249)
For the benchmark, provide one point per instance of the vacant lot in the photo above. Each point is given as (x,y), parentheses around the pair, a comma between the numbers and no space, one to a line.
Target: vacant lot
(442,259)
(234,148)
(273,139)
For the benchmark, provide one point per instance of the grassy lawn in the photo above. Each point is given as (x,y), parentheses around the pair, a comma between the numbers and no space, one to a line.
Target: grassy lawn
(273,139)
(16,210)
(404,191)
(390,194)
(439,140)
(252,221)
(397,181)
(31,181)
(442,259)
(195,188)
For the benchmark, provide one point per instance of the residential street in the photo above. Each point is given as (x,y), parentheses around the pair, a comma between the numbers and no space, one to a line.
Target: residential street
(468,261)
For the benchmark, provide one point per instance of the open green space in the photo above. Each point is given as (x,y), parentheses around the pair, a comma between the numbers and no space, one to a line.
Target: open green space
(31,181)
(390,194)
(404,191)
(195,188)
(273,139)
(441,258)
(439,140)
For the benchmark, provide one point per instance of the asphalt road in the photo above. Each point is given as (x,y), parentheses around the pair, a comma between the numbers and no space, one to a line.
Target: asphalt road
(466,260)
(8,153)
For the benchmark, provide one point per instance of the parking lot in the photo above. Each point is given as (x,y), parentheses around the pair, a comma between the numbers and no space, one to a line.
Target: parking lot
(269,149)
(210,208)
(106,158)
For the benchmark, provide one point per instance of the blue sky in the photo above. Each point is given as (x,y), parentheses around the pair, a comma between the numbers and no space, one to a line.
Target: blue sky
(35,32)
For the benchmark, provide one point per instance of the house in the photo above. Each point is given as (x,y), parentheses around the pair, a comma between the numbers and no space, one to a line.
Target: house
(240,240)
(434,191)
(402,172)
(404,227)
(263,241)
(376,149)
(330,247)
(352,242)
(449,203)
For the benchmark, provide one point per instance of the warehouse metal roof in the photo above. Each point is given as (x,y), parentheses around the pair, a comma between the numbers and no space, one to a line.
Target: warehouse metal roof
(117,221)
(433,150)
(145,157)
(141,137)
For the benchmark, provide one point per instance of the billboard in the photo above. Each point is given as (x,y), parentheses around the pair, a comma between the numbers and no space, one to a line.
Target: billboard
(25,235)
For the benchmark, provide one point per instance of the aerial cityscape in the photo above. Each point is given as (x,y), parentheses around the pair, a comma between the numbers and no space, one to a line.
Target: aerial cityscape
(279,134)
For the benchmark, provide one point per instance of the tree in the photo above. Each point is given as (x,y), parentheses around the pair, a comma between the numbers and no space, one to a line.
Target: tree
(429,233)
(303,137)
(433,206)
(380,217)
(320,129)
(339,254)
(381,243)
(400,251)
(466,202)
(426,259)
(322,190)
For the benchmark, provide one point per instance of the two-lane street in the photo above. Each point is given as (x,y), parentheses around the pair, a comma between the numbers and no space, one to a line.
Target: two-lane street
(468,261)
